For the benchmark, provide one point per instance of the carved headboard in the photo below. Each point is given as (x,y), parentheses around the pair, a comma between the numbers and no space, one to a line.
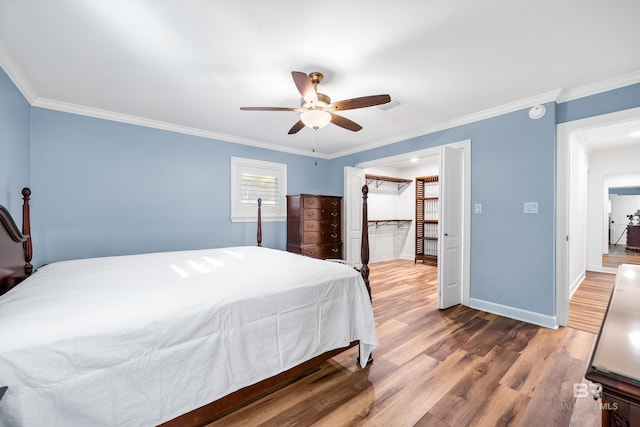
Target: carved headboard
(15,246)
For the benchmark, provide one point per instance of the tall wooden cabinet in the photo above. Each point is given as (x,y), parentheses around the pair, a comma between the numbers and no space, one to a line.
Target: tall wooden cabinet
(427,208)
(314,225)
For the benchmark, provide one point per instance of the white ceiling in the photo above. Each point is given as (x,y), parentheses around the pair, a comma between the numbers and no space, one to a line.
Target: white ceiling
(618,136)
(189,65)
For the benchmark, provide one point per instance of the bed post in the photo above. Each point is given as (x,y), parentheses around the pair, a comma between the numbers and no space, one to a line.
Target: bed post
(259,237)
(364,245)
(26,231)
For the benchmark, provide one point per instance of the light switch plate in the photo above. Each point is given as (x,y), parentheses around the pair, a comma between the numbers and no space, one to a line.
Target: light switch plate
(477,208)
(530,207)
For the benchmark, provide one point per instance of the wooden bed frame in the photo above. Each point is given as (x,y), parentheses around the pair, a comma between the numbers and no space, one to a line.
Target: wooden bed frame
(15,246)
(15,266)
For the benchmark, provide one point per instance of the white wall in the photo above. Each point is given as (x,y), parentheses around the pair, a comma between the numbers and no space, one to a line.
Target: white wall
(610,169)
(578,180)
(388,242)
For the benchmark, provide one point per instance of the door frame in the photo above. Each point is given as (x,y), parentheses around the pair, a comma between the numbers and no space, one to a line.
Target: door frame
(465,145)
(562,220)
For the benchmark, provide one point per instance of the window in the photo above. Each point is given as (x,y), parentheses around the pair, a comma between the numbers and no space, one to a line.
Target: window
(251,179)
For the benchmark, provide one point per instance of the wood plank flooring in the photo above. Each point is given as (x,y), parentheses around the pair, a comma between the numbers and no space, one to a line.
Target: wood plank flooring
(617,256)
(589,303)
(454,367)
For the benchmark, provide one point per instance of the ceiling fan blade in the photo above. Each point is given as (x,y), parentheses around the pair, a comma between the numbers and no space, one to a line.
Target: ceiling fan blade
(343,122)
(296,127)
(269,109)
(362,102)
(305,87)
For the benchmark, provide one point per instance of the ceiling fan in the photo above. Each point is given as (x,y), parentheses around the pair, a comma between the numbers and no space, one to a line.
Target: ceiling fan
(317,109)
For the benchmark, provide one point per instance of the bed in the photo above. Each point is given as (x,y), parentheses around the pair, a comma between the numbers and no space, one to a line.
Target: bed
(172,338)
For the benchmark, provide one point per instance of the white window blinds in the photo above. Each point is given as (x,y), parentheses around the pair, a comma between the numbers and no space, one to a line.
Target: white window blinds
(265,187)
(253,179)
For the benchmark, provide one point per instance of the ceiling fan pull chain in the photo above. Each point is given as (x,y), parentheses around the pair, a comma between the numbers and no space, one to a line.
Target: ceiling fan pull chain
(313,149)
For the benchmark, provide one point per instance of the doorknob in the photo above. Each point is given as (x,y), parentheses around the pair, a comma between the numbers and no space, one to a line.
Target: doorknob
(446,234)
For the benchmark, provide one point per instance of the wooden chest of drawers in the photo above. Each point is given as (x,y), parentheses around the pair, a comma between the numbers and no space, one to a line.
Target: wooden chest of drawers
(314,225)
(633,237)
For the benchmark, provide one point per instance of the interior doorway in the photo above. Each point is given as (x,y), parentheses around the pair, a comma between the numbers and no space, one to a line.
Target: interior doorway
(624,211)
(456,264)
(584,175)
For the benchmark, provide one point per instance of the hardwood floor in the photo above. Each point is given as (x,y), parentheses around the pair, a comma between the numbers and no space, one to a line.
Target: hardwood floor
(618,255)
(454,367)
(589,303)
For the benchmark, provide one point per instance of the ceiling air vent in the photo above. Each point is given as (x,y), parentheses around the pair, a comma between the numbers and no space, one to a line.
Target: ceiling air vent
(389,105)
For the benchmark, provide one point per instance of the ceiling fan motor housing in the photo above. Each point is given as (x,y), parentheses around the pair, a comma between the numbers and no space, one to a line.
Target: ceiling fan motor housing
(323,100)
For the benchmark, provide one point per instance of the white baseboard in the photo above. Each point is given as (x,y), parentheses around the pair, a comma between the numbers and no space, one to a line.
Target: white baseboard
(573,287)
(601,269)
(515,313)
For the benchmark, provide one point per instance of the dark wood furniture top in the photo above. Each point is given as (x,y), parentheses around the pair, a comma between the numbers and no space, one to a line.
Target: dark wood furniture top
(15,266)
(615,361)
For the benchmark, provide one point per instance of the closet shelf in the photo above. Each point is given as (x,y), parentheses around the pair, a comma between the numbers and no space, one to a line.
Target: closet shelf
(427,207)
(380,179)
(381,222)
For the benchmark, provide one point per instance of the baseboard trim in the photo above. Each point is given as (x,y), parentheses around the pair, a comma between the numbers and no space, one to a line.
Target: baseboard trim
(601,269)
(514,313)
(573,287)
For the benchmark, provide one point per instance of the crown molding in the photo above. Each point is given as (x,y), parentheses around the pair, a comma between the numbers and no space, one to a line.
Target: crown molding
(66,107)
(599,87)
(550,96)
(17,76)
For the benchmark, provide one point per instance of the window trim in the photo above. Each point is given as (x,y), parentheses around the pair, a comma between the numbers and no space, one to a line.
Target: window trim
(250,214)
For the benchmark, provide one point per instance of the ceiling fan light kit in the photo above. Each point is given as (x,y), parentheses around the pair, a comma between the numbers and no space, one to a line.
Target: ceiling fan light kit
(316,108)
(315,119)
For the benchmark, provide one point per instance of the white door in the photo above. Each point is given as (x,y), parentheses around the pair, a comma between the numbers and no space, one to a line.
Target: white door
(450,250)
(352,213)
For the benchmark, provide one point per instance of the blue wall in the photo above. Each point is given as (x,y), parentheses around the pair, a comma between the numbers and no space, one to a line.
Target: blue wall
(630,191)
(14,146)
(602,103)
(512,161)
(108,188)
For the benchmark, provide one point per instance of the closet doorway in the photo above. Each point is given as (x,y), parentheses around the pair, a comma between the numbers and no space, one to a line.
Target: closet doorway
(392,213)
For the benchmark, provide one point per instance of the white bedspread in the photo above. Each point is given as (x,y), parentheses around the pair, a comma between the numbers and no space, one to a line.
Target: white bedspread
(138,340)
